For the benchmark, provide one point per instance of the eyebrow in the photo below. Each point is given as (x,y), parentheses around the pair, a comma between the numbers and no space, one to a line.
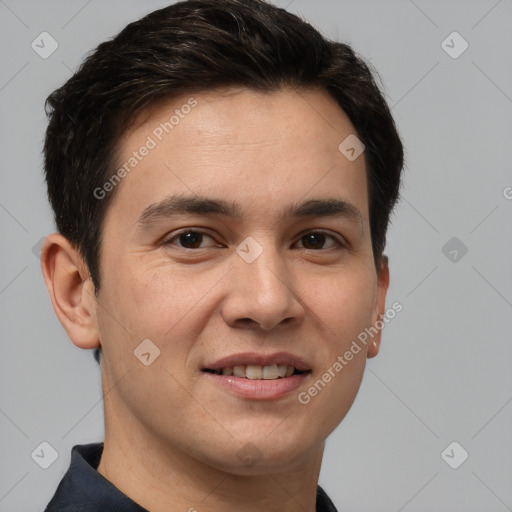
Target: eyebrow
(179,205)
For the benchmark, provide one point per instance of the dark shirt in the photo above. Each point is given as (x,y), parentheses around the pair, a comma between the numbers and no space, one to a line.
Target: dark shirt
(83,489)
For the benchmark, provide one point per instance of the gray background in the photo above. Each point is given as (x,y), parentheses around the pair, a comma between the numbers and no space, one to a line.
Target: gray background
(443,373)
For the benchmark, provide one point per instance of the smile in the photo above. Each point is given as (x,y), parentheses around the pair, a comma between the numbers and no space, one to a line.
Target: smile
(257,376)
(257,372)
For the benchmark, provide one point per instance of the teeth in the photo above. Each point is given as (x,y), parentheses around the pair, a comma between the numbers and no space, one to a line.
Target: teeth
(282,370)
(253,372)
(258,372)
(239,371)
(270,372)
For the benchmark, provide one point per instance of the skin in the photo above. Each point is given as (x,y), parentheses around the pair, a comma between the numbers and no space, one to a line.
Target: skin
(172,436)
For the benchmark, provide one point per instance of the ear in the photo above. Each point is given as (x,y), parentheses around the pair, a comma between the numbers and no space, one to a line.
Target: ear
(71,290)
(380,305)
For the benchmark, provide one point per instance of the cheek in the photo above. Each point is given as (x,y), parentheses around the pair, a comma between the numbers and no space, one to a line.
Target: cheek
(344,310)
(161,301)
(146,299)
(344,304)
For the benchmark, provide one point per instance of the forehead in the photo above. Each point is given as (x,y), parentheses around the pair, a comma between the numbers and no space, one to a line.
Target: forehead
(250,147)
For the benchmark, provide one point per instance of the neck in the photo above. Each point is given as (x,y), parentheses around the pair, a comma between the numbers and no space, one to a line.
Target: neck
(163,478)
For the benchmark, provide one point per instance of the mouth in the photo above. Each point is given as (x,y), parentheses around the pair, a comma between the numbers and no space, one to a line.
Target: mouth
(254,376)
(257,372)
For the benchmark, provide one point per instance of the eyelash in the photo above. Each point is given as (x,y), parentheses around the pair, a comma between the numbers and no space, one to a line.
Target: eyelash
(170,241)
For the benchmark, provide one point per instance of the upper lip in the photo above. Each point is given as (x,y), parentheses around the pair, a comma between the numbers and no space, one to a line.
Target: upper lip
(247,358)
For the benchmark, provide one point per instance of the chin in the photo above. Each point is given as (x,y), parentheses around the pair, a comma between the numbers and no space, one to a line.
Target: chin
(253,455)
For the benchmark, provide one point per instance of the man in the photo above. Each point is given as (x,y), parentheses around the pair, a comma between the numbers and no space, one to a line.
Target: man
(222,179)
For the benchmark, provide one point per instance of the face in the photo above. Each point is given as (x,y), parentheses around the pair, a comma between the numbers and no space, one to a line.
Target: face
(238,246)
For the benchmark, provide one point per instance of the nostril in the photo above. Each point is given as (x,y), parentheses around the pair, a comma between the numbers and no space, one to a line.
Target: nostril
(249,322)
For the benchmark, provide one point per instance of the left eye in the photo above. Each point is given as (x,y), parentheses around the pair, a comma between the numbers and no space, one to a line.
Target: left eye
(315,240)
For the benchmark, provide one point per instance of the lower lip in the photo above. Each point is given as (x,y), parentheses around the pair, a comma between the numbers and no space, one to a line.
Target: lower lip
(258,389)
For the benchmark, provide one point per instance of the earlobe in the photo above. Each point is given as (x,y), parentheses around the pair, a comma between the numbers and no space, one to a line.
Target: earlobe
(71,290)
(380,305)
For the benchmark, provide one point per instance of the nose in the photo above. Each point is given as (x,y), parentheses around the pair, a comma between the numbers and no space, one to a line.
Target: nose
(262,294)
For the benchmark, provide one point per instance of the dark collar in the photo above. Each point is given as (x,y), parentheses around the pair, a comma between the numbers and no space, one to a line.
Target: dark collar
(83,489)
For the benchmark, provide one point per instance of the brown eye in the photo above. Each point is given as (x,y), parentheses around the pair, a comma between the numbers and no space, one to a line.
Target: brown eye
(313,240)
(190,239)
(316,240)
